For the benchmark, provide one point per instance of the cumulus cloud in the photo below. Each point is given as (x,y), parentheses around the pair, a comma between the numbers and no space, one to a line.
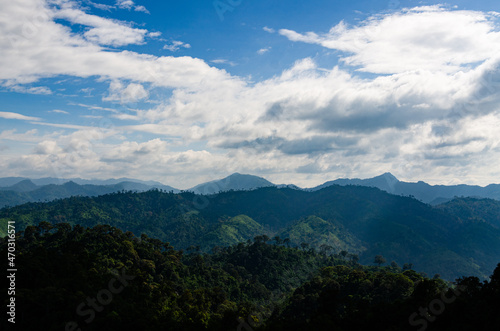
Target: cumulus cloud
(129,4)
(34,46)
(423,38)
(263,50)
(100,30)
(47,147)
(13,135)
(176,45)
(141,9)
(126,94)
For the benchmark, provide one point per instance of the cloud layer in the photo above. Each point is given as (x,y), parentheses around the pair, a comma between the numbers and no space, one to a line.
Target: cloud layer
(416,92)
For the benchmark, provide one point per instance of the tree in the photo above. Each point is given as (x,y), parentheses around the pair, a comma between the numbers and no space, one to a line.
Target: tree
(379,259)
(278,240)
(408,266)
(44,227)
(395,265)
(304,246)
(325,248)
(258,239)
(286,241)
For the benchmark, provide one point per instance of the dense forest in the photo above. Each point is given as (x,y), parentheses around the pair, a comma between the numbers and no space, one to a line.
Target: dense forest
(461,237)
(102,278)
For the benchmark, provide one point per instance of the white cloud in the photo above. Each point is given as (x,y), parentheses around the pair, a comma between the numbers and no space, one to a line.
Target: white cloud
(176,45)
(100,5)
(101,31)
(141,9)
(47,147)
(94,107)
(51,49)
(64,126)
(126,94)
(422,38)
(154,34)
(16,116)
(129,4)
(58,111)
(28,136)
(263,50)
(92,116)
(130,150)
(270,30)
(29,90)
(223,61)
(126,4)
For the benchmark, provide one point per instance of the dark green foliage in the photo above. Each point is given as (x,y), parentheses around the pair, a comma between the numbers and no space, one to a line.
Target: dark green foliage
(259,285)
(343,298)
(474,210)
(60,267)
(360,220)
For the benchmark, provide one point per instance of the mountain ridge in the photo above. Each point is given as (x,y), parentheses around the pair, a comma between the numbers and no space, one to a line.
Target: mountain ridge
(432,194)
(21,190)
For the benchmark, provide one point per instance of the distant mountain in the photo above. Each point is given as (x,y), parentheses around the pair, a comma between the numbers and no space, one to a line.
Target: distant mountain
(360,220)
(17,190)
(26,191)
(432,194)
(10,181)
(236,182)
(25,185)
(385,182)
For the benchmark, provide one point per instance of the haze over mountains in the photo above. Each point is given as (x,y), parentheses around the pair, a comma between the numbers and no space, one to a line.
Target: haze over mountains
(18,190)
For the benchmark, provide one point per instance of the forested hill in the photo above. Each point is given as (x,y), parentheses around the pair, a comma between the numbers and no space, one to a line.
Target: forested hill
(101,278)
(360,220)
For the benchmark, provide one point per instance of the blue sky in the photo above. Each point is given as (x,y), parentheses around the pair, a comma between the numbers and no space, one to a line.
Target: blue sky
(297,92)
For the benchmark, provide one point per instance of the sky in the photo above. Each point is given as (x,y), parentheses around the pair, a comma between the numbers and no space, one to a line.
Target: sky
(301,92)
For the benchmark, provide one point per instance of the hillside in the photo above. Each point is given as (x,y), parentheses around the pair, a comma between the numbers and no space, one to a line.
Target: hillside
(473,209)
(359,220)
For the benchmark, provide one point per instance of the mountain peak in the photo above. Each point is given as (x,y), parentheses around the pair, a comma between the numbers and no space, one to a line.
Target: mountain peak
(238,175)
(236,181)
(25,185)
(388,175)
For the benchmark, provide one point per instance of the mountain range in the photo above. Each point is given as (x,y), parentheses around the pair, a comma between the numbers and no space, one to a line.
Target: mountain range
(460,237)
(19,190)
(27,190)
(432,194)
